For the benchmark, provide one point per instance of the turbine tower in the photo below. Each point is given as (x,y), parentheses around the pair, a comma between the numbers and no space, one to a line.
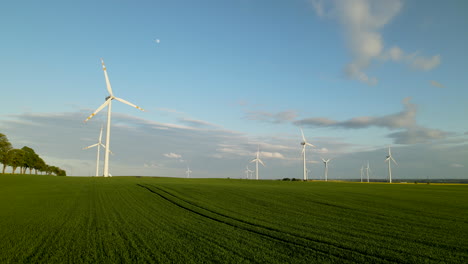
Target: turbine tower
(304,144)
(108,103)
(257,160)
(326,167)
(188,172)
(248,171)
(367,171)
(389,159)
(98,145)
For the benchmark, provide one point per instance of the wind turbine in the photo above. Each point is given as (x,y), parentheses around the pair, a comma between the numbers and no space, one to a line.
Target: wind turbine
(257,160)
(389,159)
(251,172)
(248,171)
(326,167)
(304,144)
(188,172)
(367,171)
(108,103)
(362,172)
(98,144)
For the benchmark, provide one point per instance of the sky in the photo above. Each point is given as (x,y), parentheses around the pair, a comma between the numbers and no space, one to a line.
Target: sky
(218,79)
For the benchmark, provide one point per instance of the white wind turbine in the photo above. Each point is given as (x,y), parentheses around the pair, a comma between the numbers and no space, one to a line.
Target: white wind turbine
(367,171)
(98,145)
(257,160)
(326,167)
(188,171)
(389,159)
(108,103)
(304,144)
(362,172)
(248,171)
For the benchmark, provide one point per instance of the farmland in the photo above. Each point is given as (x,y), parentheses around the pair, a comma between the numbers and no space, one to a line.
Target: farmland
(126,219)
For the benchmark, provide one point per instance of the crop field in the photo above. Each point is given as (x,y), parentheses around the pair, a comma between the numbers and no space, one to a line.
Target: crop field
(165,220)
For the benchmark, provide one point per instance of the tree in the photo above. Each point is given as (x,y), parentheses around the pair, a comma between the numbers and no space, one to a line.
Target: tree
(5,147)
(41,165)
(31,159)
(15,158)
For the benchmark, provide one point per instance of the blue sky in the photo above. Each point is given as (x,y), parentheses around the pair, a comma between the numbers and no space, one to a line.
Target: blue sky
(357,76)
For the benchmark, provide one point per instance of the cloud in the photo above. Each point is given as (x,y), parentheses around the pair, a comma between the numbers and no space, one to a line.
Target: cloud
(363,21)
(405,118)
(273,155)
(275,118)
(172,155)
(196,123)
(425,64)
(414,59)
(437,84)
(152,164)
(456,165)
(415,135)
(411,132)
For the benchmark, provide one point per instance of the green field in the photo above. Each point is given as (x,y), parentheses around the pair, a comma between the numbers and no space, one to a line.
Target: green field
(164,220)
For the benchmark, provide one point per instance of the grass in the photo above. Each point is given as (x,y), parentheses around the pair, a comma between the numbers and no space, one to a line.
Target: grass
(165,220)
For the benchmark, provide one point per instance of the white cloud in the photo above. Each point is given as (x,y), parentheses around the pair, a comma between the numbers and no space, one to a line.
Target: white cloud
(426,64)
(273,155)
(363,21)
(152,165)
(456,165)
(172,155)
(414,60)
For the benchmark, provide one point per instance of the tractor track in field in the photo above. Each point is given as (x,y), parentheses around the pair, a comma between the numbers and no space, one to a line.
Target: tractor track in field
(269,232)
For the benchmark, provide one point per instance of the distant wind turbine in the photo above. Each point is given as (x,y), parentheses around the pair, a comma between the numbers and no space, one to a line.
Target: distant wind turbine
(108,103)
(367,171)
(257,160)
(304,144)
(362,172)
(326,167)
(389,159)
(248,171)
(98,145)
(188,171)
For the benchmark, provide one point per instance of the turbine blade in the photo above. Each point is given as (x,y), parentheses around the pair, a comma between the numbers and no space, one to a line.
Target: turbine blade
(303,149)
(310,145)
(109,88)
(100,135)
(130,104)
(259,160)
(253,160)
(91,146)
(99,109)
(394,160)
(303,138)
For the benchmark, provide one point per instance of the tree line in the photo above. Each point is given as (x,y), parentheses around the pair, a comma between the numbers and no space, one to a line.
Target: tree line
(24,159)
